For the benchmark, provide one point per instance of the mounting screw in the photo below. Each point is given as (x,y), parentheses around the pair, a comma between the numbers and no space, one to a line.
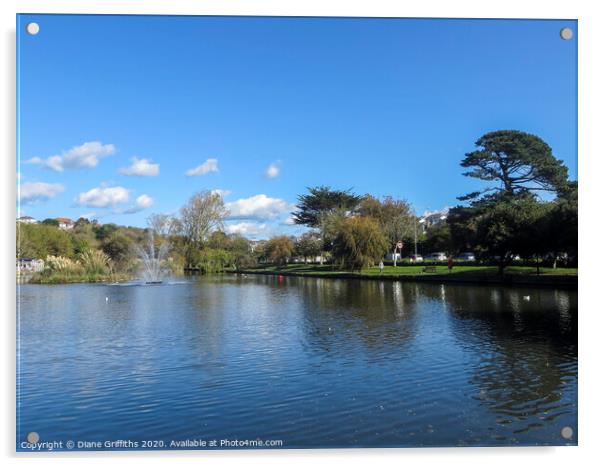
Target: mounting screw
(32,28)
(566,33)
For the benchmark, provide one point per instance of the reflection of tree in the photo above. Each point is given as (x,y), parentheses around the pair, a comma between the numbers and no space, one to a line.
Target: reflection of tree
(525,341)
(381,315)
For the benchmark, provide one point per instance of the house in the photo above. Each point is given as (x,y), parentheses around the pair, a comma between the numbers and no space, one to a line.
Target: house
(65,223)
(26,219)
(30,265)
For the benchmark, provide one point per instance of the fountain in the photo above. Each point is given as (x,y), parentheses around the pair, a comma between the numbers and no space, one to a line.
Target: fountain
(153,259)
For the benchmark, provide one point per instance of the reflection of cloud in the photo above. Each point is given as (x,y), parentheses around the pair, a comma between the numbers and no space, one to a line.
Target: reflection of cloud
(259,207)
(140,167)
(273,170)
(103,196)
(84,156)
(33,192)
(209,165)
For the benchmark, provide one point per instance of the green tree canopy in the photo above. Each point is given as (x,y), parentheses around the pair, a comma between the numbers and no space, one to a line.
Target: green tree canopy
(393,215)
(511,226)
(359,243)
(308,245)
(279,249)
(517,161)
(322,200)
(119,247)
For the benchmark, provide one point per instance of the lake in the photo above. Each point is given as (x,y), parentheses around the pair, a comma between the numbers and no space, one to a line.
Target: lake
(304,362)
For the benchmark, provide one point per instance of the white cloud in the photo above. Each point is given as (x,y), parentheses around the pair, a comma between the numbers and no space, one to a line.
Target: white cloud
(289,221)
(33,192)
(273,170)
(142,202)
(84,156)
(221,192)
(209,165)
(103,196)
(248,229)
(140,167)
(259,207)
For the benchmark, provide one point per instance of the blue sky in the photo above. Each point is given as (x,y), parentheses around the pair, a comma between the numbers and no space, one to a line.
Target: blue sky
(124,116)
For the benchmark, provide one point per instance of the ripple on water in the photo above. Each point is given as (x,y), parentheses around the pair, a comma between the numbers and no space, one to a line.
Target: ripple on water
(311,362)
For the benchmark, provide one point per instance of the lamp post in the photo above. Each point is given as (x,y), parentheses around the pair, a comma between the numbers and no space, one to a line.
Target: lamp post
(421,221)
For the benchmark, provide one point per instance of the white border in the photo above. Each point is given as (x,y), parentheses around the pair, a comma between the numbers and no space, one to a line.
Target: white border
(590,156)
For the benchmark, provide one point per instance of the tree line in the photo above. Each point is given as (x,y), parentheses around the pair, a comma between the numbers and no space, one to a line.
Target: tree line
(526,208)
(508,217)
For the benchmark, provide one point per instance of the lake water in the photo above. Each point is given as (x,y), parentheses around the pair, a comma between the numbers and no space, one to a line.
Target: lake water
(308,362)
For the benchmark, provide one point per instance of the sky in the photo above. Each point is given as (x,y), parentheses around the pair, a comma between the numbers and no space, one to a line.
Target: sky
(120,117)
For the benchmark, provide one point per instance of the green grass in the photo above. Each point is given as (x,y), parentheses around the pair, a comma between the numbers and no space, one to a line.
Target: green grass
(412,270)
(56,278)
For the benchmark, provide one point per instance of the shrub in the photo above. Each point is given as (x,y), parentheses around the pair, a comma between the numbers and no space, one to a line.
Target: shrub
(62,264)
(95,262)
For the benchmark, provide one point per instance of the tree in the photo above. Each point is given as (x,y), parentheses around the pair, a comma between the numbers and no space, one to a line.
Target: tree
(519,162)
(562,221)
(462,223)
(119,248)
(439,238)
(239,248)
(321,207)
(308,245)
(83,236)
(508,227)
(359,243)
(321,200)
(106,230)
(162,224)
(51,221)
(394,216)
(41,240)
(204,213)
(279,249)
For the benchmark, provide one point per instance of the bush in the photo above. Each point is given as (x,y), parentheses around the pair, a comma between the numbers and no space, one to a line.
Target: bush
(95,262)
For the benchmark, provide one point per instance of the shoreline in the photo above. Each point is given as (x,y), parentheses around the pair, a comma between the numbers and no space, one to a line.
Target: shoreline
(565,281)
(553,281)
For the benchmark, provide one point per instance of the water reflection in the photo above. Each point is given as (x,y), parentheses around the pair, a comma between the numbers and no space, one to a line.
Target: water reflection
(313,362)
(525,344)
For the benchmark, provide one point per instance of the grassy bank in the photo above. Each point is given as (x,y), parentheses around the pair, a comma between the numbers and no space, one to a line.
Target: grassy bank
(461,273)
(56,278)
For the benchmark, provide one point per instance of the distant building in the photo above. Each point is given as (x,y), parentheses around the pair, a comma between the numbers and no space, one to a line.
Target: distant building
(254,244)
(308,260)
(65,223)
(430,219)
(26,219)
(30,265)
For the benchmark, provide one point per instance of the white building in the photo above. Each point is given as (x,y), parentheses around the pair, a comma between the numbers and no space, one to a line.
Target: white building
(26,219)
(30,265)
(65,223)
(430,219)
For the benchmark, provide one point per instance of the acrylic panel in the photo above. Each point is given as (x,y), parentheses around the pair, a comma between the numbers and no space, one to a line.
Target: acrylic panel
(294,232)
